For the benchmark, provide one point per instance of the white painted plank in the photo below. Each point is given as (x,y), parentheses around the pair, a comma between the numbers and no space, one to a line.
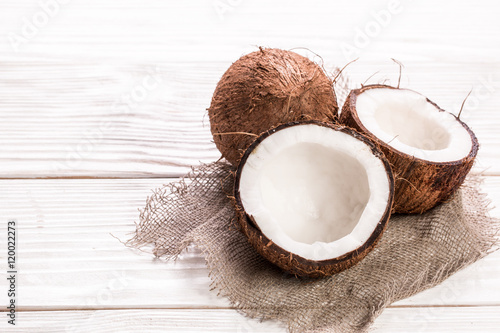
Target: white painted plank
(408,320)
(439,319)
(68,258)
(95,126)
(223,30)
(65,241)
(88,128)
(150,320)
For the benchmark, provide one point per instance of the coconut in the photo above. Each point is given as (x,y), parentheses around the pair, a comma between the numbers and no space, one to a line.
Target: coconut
(313,198)
(264,89)
(430,150)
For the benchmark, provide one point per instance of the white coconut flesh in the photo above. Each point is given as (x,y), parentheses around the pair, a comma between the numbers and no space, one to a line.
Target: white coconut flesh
(314,191)
(406,121)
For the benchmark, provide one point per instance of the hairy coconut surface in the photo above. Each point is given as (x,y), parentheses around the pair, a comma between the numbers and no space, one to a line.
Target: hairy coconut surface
(313,198)
(430,150)
(264,89)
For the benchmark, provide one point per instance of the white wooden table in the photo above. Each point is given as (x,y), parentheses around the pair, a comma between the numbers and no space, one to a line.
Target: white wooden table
(102,101)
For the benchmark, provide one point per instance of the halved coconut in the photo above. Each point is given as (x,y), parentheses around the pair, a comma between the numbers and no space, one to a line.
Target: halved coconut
(313,198)
(430,150)
(262,90)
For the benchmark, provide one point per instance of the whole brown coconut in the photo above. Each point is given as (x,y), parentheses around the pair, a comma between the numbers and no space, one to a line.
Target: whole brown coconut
(264,89)
(420,183)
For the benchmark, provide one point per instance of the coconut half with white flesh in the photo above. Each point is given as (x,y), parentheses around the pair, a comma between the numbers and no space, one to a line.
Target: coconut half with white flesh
(313,198)
(430,150)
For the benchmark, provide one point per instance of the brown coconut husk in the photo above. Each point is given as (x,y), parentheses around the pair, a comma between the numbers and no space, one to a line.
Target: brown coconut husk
(264,89)
(419,184)
(291,262)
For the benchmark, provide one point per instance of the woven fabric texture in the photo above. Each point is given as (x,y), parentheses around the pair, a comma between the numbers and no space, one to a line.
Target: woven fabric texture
(415,253)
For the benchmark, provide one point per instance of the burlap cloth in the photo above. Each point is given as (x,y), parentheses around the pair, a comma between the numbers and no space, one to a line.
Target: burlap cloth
(415,253)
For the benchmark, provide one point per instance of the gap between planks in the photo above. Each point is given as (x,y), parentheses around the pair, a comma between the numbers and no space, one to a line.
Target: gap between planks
(202,308)
(169,177)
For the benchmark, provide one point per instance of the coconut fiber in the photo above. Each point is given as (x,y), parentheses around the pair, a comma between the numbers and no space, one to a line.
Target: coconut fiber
(415,253)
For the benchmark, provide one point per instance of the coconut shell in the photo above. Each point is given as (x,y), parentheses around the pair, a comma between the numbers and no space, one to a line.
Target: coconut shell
(293,263)
(420,185)
(264,89)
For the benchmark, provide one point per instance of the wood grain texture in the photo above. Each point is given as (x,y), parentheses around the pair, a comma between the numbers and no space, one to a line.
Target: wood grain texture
(69,258)
(224,30)
(73,101)
(393,320)
(83,120)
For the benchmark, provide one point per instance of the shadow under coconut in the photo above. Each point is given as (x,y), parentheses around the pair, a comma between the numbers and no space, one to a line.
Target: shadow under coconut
(416,252)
